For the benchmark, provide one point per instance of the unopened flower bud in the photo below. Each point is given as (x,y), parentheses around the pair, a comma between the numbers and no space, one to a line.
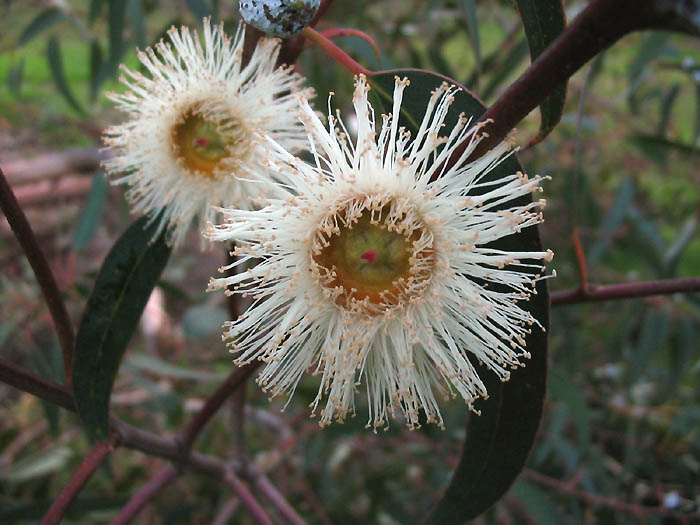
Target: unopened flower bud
(283,18)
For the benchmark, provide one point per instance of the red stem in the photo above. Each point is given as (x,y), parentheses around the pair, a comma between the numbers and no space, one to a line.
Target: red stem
(146,493)
(44,276)
(594,499)
(335,52)
(80,477)
(593,293)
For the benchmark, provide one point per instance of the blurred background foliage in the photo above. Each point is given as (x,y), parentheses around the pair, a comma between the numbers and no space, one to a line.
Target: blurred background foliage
(622,419)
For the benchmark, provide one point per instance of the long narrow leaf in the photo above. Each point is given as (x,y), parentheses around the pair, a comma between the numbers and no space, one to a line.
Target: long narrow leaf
(55,58)
(499,440)
(121,291)
(543,21)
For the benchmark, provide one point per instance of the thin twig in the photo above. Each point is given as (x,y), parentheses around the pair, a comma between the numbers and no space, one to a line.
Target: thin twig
(226,512)
(80,477)
(145,494)
(214,403)
(595,499)
(594,293)
(267,489)
(247,498)
(27,381)
(581,259)
(44,276)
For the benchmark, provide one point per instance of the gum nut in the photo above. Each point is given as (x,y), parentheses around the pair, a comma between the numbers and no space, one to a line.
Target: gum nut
(283,18)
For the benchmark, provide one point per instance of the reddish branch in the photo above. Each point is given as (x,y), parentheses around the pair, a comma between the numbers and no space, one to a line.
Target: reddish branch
(265,487)
(247,499)
(85,470)
(599,25)
(44,276)
(139,500)
(26,381)
(595,499)
(214,403)
(593,293)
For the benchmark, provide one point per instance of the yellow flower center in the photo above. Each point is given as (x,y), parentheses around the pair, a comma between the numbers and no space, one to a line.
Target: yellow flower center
(201,142)
(374,262)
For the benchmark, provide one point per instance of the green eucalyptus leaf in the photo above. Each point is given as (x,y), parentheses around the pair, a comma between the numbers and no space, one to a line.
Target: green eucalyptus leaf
(92,211)
(543,22)
(15,76)
(499,440)
(116,15)
(43,22)
(55,58)
(468,8)
(199,9)
(122,288)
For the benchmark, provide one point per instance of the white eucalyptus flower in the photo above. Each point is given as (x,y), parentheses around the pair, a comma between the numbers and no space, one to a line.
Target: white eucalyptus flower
(370,271)
(192,140)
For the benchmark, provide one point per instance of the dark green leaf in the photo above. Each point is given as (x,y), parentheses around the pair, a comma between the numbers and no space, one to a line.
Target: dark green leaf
(96,69)
(650,144)
(116,10)
(666,105)
(92,210)
(138,21)
(499,440)
(15,76)
(95,10)
(41,23)
(121,291)
(468,8)
(543,21)
(696,129)
(199,9)
(49,365)
(53,54)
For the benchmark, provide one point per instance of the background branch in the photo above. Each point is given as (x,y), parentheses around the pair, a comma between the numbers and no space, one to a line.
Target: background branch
(593,293)
(214,403)
(594,499)
(599,25)
(247,498)
(145,494)
(44,276)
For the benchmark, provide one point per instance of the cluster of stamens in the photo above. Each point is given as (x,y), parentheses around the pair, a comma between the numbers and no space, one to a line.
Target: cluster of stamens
(372,254)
